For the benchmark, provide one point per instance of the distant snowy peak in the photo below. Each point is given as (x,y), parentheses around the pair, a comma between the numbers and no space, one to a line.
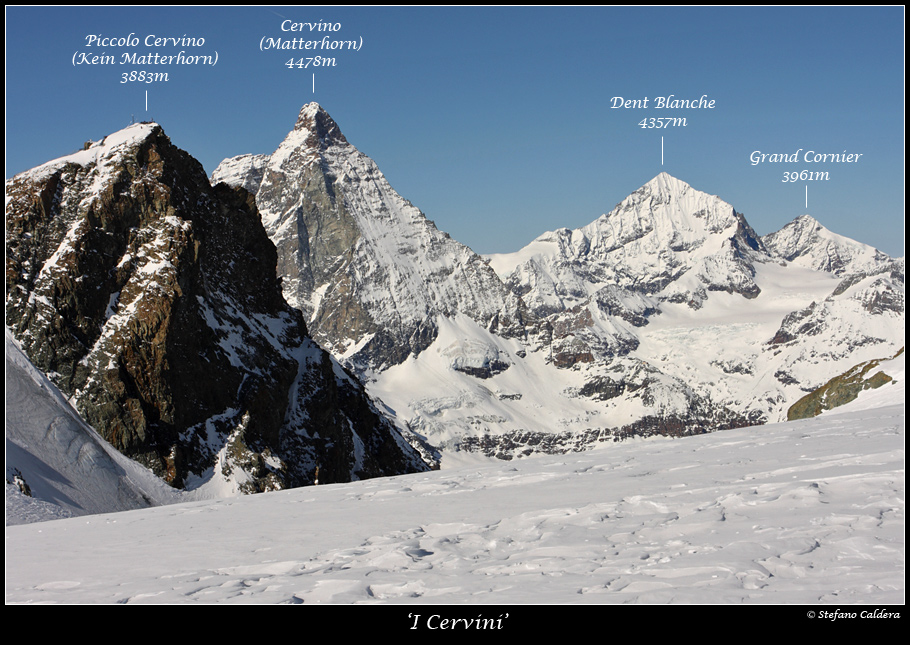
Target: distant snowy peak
(665,215)
(663,232)
(805,242)
(667,210)
(665,189)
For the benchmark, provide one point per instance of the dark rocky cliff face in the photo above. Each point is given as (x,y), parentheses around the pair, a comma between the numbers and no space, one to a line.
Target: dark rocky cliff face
(151,298)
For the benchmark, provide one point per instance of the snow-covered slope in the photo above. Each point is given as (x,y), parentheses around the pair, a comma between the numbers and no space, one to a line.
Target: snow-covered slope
(810,511)
(66,468)
(245,171)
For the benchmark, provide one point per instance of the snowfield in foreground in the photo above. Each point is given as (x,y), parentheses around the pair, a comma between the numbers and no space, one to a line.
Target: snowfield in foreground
(800,512)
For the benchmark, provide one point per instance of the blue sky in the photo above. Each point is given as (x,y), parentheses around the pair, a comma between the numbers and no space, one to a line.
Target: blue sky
(496,122)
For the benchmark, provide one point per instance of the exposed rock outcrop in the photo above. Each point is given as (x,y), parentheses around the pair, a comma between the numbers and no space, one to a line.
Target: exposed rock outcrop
(841,390)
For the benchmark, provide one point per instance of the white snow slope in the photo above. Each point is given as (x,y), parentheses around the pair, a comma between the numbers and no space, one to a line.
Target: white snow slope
(802,512)
(69,468)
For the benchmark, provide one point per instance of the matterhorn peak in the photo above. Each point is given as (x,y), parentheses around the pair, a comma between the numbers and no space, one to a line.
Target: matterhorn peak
(314,119)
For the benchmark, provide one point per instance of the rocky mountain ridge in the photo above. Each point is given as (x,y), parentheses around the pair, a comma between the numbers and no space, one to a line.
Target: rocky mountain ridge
(150,298)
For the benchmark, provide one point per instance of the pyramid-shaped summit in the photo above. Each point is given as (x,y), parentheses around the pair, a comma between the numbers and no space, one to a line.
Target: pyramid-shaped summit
(664,182)
(666,239)
(668,201)
(314,119)
(371,273)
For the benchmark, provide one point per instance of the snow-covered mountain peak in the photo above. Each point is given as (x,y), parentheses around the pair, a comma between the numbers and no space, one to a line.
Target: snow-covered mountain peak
(805,242)
(313,134)
(665,238)
(99,153)
(667,214)
(310,110)
(664,189)
(368,269)
(807,221)
(804,229)
(666,183)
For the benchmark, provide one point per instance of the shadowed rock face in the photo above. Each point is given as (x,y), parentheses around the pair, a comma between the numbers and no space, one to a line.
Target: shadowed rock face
(152,300)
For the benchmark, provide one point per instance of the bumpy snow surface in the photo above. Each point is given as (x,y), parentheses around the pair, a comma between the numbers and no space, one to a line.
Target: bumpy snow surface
(801,512)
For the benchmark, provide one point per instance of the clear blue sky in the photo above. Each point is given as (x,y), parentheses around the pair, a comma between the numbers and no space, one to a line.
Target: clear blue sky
(496,122)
